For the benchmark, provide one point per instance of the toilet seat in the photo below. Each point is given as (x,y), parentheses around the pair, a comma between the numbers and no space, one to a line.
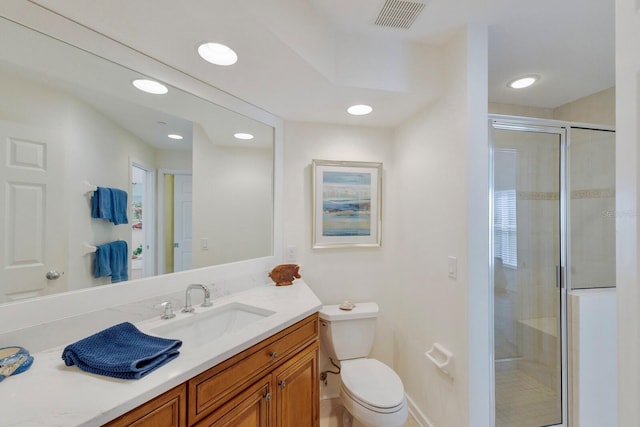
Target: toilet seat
(372,384)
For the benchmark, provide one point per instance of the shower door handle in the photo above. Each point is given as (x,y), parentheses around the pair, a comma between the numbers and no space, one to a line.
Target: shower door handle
(559,276)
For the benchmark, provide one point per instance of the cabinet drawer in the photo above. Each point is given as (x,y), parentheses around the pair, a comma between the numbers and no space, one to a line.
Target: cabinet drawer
(212,388)
(166,410)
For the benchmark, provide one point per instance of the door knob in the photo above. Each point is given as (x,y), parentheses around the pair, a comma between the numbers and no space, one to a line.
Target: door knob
(52,275)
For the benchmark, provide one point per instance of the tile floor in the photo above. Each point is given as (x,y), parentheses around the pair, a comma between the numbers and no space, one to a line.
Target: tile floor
(331,414)
(523,401)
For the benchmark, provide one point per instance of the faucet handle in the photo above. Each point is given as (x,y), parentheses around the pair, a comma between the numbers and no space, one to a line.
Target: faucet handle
(207,297)
(168,309)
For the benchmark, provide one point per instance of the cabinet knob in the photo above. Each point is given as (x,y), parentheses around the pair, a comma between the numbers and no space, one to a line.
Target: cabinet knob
(267,396)
(282,384)
(273,354)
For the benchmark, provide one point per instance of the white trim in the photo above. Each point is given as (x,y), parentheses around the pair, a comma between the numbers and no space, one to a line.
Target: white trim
(417,414)
(150,212)
(534,122)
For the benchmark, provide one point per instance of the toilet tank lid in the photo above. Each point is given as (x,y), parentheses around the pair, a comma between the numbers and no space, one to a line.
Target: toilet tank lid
(361,310)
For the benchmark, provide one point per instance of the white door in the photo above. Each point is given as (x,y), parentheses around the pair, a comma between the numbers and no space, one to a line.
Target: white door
(33,250)
(182,207)
(142,222)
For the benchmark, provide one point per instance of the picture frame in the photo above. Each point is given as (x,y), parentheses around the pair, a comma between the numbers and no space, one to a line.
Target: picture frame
(347,204)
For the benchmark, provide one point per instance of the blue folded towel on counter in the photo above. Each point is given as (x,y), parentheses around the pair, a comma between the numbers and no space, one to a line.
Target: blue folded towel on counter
(112,260)
(110,204)
(121,351)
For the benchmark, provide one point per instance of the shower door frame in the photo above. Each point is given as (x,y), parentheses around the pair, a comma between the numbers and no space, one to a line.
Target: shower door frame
(523,124)
(528,124)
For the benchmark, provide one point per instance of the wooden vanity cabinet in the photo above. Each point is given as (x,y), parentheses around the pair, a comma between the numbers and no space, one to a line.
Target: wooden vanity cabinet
(286,361)
(297,384)
(167,410)
(286,397)
(271,384)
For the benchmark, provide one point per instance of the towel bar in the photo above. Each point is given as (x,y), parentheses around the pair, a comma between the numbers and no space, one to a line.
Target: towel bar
(89,188)
(88,249)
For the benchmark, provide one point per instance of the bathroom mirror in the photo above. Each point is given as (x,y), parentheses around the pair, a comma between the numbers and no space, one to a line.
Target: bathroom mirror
(71,121)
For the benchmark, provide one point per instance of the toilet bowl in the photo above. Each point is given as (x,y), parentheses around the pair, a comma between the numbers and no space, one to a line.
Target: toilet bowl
(371,392)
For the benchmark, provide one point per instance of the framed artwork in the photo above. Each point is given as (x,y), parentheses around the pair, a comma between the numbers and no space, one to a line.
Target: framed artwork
(346,203)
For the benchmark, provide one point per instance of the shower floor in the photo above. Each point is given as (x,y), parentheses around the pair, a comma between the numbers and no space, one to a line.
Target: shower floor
(523,401)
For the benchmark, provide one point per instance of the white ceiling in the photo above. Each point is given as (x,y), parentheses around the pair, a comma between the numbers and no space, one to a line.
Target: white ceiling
(307,60)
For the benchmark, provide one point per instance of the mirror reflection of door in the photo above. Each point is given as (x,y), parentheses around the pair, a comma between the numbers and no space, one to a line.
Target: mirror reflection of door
(174,220)
(182,202)
(141,221)
(31,187)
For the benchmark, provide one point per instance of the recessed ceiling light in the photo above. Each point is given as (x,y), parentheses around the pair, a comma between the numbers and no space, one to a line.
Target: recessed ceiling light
(150,86)
(522,82)
(217,53)
(241,135)
(359,110)
(174,136)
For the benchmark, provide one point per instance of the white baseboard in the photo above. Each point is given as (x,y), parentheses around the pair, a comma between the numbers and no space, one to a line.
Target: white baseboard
(417,414)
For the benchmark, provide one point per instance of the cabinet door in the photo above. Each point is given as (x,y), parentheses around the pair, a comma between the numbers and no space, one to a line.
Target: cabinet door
(297,390)
(166,410)
(251,408)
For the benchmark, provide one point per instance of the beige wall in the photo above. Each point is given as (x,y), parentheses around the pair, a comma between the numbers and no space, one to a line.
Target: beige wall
(356,274)
(427,216)
(520,110)
(598,108)
(232,201)
(627,192)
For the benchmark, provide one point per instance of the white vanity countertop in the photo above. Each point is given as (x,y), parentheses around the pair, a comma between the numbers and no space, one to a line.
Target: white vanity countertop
(52,394)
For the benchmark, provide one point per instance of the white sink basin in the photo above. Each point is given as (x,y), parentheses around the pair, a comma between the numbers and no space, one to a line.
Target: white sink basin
(200,328)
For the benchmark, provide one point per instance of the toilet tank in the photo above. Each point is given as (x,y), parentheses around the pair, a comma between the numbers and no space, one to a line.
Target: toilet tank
(348,334)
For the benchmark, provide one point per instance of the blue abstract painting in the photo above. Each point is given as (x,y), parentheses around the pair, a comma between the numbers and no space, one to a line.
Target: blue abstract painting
(346,203)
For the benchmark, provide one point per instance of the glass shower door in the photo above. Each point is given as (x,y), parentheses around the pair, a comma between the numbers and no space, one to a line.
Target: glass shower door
(528,293)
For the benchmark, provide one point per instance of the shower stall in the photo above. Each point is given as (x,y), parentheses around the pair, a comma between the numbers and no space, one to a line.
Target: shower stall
(552,211)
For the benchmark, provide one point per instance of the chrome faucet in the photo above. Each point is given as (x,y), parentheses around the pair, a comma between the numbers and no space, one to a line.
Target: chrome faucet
(188,308)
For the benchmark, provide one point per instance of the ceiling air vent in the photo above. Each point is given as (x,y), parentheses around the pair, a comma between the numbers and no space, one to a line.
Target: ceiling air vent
(399,13)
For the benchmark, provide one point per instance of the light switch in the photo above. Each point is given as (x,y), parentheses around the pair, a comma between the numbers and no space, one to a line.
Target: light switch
(453,267)
(292,254)
(204,244)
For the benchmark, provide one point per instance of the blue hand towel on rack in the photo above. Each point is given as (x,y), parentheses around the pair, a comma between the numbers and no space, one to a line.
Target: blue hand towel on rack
(119,206)
(119,261)
(102,263)
(101,206)
(121,351)
(112,260)
(110,204)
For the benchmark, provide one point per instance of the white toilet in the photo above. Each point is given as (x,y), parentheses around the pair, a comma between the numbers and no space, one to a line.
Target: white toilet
(370,391)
